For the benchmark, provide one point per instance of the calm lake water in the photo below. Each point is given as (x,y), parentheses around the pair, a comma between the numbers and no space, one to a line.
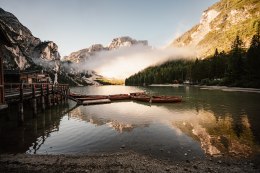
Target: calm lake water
(208,122)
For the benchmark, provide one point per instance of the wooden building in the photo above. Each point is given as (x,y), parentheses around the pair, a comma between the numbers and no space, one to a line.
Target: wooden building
(4,41)
(29,77)
(2,99)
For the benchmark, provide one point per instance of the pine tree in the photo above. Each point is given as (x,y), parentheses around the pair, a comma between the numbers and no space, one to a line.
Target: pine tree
(236,66)
(253,56)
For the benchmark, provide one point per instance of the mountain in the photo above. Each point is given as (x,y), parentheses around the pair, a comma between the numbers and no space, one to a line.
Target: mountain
(72,63)
(84,54)
(26,50)
(219,26)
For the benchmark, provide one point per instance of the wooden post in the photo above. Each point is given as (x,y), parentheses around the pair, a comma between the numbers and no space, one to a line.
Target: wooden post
(53,95)
(34,101)
(42,98)
(67,92)
(64,93)
(58,94)
(61,93)
(20,114)
(48,96)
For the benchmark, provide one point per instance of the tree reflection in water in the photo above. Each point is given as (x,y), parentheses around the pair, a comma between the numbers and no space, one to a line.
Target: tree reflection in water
(211,122)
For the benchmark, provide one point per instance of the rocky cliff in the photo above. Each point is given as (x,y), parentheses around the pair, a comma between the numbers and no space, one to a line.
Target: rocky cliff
(25,51)
(84,54)
(219,26)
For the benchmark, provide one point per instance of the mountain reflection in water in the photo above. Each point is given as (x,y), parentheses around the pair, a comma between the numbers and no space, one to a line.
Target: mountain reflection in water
(216,135)
(211,122)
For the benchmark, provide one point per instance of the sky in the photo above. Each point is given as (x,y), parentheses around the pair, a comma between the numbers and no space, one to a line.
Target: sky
(77,24)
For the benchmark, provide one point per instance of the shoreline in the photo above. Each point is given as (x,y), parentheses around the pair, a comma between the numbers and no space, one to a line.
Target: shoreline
(127,161)
(213,87)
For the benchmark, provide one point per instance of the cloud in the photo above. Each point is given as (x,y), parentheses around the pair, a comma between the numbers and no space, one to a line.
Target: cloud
(123,62)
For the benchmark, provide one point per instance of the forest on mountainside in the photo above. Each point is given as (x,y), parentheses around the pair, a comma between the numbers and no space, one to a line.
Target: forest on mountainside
(239,67)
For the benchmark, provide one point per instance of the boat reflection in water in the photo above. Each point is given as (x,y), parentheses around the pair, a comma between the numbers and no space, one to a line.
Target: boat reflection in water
(208,122)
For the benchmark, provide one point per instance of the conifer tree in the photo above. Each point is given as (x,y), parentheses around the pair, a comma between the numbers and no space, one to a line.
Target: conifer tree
(253,56)
(235,63)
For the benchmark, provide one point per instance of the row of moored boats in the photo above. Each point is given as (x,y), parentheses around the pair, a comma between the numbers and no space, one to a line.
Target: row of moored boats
(138,96)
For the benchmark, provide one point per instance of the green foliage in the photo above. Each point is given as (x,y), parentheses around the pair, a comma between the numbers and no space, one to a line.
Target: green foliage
(225,27)
(236,68)
(236,65)
(234,4)
(171,71)
(105,81)
(253,57)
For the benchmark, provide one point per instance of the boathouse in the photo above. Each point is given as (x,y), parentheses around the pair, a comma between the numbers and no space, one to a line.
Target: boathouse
(29,77)
(4,41)
(2,97)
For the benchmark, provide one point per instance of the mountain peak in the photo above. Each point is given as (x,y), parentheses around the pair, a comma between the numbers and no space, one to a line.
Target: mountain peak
(116,43)
(220,24)
(125,41)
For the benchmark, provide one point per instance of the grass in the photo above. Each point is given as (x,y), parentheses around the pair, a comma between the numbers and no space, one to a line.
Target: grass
(106,81)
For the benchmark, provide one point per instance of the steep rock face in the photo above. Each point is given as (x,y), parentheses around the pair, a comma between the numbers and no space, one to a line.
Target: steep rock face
(219,26)
(125,42)
(84,54)
(25,50)
(47,51)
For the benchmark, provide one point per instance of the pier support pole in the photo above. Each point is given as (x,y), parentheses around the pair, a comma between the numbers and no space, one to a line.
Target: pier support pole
(67,93)
(58,94)
(42,98)
(61,94)
(34,101)
(53,95)
(48,96)
(64,94)
(20,113)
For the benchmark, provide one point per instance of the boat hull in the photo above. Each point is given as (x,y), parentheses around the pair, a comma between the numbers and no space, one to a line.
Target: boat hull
(141,98)
(166,99)
(119,97)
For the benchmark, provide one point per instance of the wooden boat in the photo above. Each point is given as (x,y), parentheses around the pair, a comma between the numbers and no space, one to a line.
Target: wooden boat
(143,98)
(92,98)
(165,99)
(119,97)
(138,94)
(86,97)
(94,102)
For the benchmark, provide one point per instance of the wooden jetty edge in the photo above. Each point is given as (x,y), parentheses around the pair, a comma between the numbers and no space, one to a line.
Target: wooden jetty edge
(41,96)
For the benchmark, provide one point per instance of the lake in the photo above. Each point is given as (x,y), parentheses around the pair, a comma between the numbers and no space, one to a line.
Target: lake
(207,122)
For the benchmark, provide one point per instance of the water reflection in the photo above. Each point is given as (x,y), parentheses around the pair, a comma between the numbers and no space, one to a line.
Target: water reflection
(29,137)
(217,136)
(211,122)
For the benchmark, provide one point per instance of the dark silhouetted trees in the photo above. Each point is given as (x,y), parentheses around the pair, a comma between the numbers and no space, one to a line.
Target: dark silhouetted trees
(236,68)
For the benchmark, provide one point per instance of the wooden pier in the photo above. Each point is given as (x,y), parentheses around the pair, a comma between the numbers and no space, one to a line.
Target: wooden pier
(43,94)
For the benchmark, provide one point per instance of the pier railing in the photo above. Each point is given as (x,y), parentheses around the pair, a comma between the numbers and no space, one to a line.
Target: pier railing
(45,94)
(13,91)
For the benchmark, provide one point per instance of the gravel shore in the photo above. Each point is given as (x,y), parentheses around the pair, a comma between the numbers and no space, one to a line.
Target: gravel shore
(120,162)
